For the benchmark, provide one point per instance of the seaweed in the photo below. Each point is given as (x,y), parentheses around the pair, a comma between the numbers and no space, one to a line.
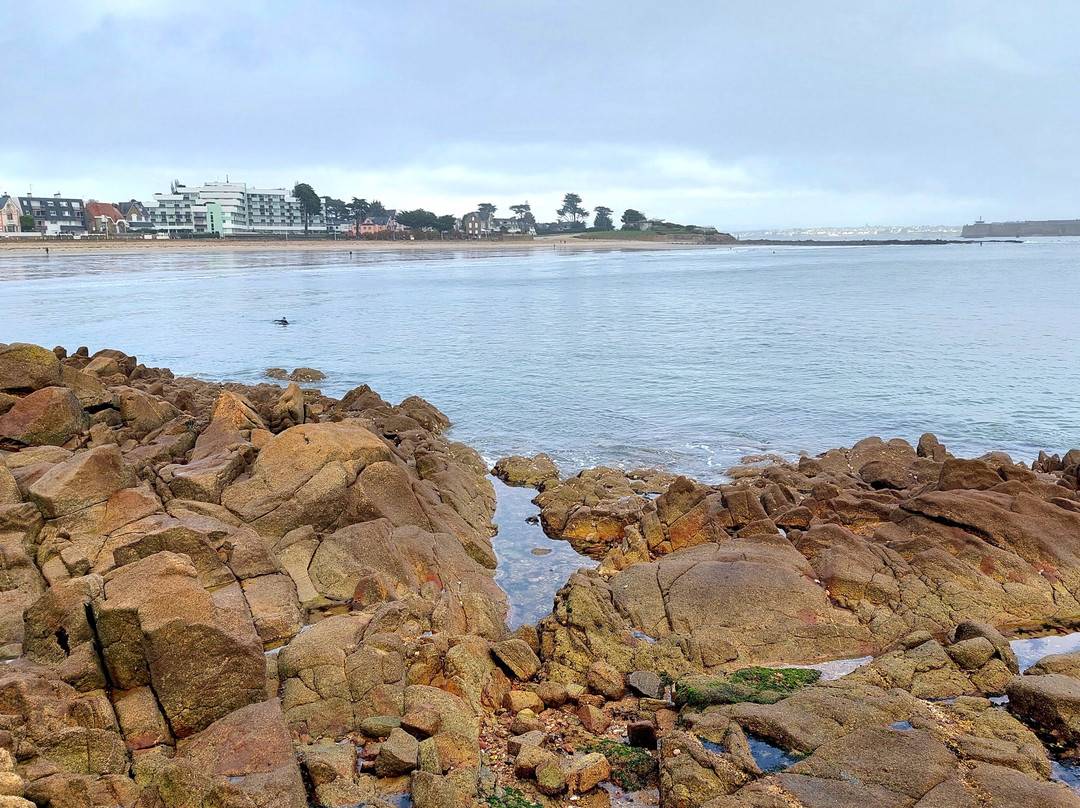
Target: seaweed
(630,767)
(757,685)
(511,798)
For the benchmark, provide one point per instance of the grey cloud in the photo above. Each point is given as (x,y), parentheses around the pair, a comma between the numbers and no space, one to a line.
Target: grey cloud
(739,115)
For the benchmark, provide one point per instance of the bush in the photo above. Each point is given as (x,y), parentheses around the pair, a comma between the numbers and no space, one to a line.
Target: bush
(756,685)
(630,767)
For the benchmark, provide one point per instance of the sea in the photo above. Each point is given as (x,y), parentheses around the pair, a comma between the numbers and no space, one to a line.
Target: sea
(686,359)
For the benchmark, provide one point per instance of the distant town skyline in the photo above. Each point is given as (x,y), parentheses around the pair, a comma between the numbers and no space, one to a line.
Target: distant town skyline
(794,115)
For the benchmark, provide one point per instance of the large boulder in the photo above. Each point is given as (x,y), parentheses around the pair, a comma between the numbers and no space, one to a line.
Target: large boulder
(817,715)
(288,411)
(976,475)
(62,732)
(251,749)
(49,416)
(1067,664)
(59,632)
(1050,701)
(87,478)
(9,487)
(1005,788)
(142,413)
(236,412)
(691,775)
(366,561)
(882,757)
(398,754)
(109,363)
(24,368)
(715,592)
(90,390)
(384,490)
(529,472)
(301,477)
(199,651)
(329,684)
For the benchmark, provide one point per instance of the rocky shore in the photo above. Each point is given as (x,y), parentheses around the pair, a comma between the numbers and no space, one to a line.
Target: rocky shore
(236,596)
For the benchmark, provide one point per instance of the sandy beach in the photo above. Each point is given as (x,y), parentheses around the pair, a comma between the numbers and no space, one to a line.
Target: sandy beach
(540,243)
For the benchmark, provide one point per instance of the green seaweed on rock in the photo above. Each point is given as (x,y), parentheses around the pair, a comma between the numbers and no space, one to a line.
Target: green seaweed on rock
(511,798)
(630,767)
(757,685)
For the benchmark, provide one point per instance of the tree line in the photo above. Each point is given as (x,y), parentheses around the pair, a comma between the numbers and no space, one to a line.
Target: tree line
(571,213)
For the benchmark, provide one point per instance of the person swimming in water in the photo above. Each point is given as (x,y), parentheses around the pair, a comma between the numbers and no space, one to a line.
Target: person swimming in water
(282,321)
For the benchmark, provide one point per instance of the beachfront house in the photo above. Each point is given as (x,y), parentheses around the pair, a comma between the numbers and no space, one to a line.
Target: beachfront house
(376,225)
(104,219)
(136,215)
(10,214)
(55,215)
(515,226)
(477,225)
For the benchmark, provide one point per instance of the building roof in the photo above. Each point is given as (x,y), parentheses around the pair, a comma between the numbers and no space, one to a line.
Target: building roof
(5,198)
(58,200)
(65,210)
(125,208)
(96,209)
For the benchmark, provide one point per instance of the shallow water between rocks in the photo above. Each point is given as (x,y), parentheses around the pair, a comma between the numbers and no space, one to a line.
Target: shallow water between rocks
(768,757)
(1031,649)
(529,580)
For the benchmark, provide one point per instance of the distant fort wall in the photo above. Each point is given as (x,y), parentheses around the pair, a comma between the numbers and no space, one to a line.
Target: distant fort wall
(1051,227)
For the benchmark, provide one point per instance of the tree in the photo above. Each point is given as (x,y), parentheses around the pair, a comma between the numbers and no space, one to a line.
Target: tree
(27,223)
(486,209)
(632,219)
(358,209)
(310,204)
(418,219)
(376,208)
(571,209)
(336,210)
(524,212)
(446,224)
(603,220)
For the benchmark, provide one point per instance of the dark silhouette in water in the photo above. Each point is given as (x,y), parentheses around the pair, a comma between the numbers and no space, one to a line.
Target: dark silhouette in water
(282,321)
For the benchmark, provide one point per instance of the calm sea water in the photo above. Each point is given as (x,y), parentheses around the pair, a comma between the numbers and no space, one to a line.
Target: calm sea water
(683,359)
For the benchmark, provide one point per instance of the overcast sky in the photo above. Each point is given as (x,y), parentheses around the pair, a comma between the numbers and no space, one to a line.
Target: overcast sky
(740,115)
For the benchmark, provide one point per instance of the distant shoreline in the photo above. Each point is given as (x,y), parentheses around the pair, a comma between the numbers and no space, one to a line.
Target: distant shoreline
(340,245)
(869,242)
(568,242)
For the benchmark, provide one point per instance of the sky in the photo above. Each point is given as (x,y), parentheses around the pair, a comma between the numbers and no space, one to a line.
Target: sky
(732,114)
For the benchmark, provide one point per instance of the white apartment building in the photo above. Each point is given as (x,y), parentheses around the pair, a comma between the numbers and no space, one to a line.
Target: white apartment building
(230,208)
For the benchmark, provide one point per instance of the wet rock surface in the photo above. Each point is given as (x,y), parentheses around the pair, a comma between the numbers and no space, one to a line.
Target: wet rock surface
(836,556)
(260,596)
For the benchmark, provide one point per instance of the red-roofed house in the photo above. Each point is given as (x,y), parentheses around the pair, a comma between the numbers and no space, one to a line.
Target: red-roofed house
(101,217)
